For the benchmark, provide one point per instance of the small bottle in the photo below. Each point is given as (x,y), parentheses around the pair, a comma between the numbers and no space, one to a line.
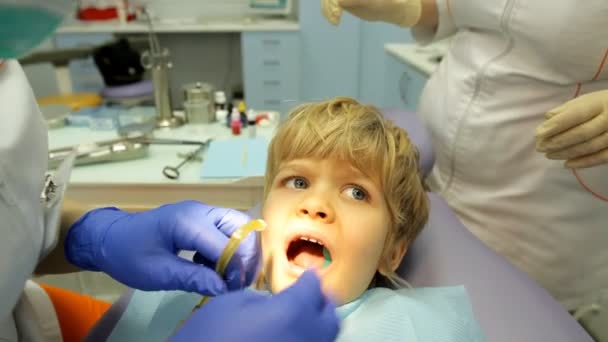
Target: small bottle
(235,121)
(242,107)
(221,112)
(251,123)
(221,115)
(220,100)
(229,109)
(243,110)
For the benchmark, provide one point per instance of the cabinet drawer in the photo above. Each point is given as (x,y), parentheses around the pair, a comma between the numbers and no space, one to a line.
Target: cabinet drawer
(269,89)
(270,44)
(271,69)
(273,55)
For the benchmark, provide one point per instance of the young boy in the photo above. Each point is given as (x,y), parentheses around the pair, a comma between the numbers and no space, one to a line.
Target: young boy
(342,184)
(344,195)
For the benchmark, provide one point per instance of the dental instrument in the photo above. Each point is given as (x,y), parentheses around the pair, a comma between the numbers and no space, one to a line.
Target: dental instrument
(115,150)
(172,172)
(162,141)
(100,152)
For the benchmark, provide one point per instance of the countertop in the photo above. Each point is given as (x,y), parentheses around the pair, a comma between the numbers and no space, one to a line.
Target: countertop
(140,183)
(424,59)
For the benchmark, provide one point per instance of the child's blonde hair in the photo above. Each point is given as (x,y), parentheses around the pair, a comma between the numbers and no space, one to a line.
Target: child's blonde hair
(344,129)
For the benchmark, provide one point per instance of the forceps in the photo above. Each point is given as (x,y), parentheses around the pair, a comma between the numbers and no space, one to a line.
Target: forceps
(172,172)
(161,141)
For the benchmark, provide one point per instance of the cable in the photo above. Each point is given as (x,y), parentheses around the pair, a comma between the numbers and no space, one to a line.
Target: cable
(588,188)
(577,92)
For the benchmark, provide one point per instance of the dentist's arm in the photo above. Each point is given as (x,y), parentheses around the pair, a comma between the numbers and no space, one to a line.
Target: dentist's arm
(140,249)
(55,262)
(405,13)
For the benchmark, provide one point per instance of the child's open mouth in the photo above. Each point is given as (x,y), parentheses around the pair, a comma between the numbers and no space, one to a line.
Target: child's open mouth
(307,252)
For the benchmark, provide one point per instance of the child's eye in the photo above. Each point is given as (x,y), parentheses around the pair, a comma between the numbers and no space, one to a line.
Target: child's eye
(296,183)
(357,193)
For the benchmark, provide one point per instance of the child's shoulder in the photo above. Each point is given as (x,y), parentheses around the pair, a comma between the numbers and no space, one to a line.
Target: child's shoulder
(420,292)
(429,314)
(448,300)
(453,296)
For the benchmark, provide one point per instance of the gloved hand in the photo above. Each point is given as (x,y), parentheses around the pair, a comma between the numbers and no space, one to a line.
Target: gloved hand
(140,249)
(405,13)
(577,131)
(331,10)
(299,313)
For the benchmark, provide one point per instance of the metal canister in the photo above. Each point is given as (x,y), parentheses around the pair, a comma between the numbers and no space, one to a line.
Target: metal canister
(198,103)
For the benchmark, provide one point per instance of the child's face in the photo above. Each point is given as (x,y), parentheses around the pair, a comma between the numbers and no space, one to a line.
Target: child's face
(333,203)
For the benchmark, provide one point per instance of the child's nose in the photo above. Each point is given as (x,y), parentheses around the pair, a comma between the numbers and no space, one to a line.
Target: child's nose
(319,213)
(317,209)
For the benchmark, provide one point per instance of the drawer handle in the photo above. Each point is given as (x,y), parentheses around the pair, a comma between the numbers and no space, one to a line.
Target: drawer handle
(272,102)
(271,62)
(272,82)
(271,42)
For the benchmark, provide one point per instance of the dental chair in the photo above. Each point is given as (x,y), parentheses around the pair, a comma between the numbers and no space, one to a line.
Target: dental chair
(508,305)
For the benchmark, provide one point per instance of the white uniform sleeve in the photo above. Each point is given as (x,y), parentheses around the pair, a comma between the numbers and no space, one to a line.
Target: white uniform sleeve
(445,28)
(23,160)
(8,329)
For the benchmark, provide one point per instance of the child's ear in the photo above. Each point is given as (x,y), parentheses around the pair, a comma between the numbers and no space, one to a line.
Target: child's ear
(394,259)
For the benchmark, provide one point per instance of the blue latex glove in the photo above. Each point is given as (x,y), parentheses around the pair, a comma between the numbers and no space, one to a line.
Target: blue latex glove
(300,313)
(140,249)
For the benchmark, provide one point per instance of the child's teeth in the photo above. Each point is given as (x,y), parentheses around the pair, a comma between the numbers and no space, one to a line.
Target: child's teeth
(311,240)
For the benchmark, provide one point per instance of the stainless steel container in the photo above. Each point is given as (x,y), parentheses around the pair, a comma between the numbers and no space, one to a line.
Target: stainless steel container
(198,103)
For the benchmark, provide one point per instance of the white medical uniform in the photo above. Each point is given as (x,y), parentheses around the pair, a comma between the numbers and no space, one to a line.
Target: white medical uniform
(28,223)
(509,62)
